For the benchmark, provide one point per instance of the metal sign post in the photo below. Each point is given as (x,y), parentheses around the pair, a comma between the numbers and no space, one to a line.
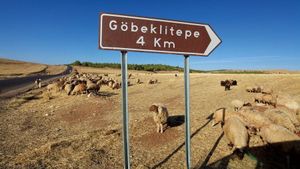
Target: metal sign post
(187,110)
(133,33)
(125,109)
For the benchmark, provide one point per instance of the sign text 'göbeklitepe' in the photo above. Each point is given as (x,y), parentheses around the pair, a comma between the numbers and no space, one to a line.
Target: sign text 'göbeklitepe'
(131,33)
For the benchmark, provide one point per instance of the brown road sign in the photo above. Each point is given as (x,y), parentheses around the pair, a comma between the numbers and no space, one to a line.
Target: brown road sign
(131,33)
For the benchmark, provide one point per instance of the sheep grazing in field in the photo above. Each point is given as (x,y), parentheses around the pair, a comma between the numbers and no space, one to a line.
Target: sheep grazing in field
(160,116)
(249,89)
(276,135)
(254,118)
(234,129)
(270,99)
(68,88)
(236,133)
(292,105)
(90,86)
(54,87)
(79,89)
(151,81)
(255,89)
(293,116)
(280,118)
(267,91)
(227,85)
(258,98)
(116,85)
(238,104)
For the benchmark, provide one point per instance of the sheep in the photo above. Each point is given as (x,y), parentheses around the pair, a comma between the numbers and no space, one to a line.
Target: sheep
(293,105)
(38,83)
(234,128)
(78,89)
(68,88)
(90,86)
(274,133)
(267,91)
(259,89)
(160,116)
(227,85)
(254,118)
(151,81)
(249,89)
(55,87)
(270,99)
(280,118)
(110,83)
(294,117)
(237,104)
(116,85)
(236,133)
(258,98)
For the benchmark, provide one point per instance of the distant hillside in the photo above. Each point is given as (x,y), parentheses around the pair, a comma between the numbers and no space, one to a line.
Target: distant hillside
(14,68)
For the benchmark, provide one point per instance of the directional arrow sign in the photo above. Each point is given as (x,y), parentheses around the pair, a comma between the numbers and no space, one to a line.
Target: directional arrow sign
(131,33)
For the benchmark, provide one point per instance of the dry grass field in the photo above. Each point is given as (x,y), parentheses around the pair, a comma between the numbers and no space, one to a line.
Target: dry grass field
(86,132)
(13,68)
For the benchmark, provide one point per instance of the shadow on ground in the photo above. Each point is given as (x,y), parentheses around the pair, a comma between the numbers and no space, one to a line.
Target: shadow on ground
(279,155)
(181,119)
(174,121)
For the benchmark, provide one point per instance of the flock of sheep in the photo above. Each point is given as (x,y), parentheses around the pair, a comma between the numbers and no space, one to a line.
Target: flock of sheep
(86,83)
(276,125)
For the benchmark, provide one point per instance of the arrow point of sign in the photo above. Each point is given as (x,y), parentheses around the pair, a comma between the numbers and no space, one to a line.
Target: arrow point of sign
(215,40)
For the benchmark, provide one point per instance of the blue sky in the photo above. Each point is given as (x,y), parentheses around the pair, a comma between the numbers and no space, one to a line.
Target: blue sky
(256,34)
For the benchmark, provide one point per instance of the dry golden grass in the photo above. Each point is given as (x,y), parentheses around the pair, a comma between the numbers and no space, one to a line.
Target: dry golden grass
(55,69)
(12,67)
(85,132)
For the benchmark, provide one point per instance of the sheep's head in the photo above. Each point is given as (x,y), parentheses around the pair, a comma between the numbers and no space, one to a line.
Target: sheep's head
(153,108)
(219,116)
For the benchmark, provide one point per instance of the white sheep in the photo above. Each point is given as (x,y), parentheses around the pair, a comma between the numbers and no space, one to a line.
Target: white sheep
(270,99)
(280,118)
(258,98)
(267,91)
(276,134)
(238,104)
(234,128)
(79,89)
(254,118)
(90,86)
(68,88)
(160,116)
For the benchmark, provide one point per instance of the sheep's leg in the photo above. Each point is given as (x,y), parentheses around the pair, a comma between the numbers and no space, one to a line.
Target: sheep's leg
(161,128)
(157,127)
